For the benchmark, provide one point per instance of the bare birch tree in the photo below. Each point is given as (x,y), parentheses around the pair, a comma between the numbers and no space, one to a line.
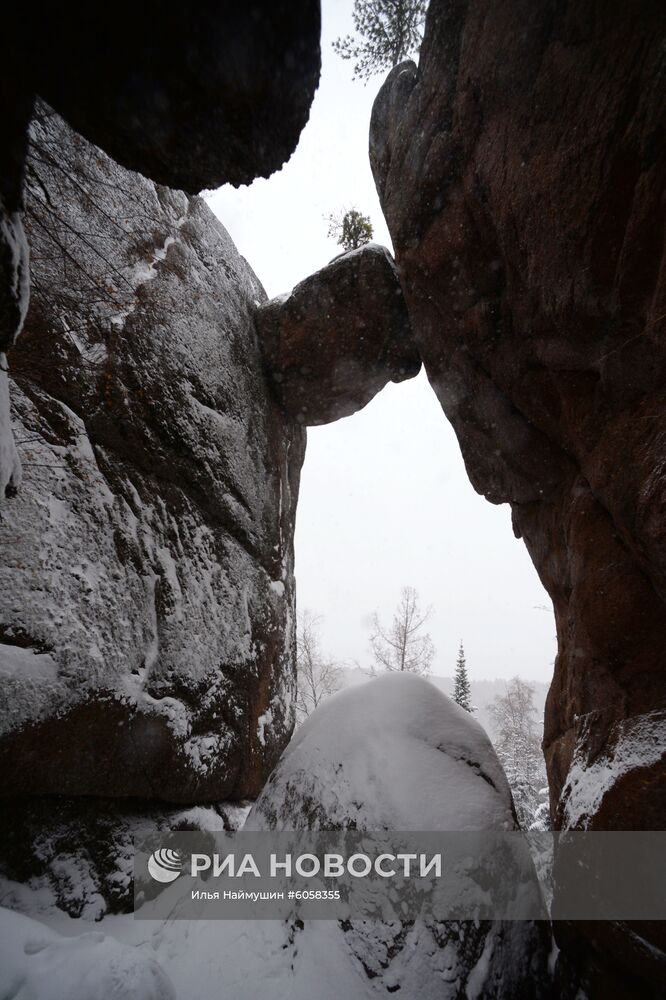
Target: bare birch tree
(318,677)
(403,646)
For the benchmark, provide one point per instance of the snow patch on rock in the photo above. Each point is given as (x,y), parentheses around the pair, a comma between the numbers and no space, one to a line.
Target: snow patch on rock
(639,742)
(15,257)
(10,464)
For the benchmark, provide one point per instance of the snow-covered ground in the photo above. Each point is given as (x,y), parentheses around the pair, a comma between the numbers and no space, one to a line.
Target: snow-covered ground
(38,963)
(202,960)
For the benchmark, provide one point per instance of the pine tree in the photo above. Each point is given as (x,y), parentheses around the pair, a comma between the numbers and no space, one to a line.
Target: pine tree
(462,692)
(386,32)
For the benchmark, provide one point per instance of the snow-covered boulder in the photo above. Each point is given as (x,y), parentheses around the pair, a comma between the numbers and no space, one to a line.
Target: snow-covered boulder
(397,754)
(146,580)
(36,963)
(392,754)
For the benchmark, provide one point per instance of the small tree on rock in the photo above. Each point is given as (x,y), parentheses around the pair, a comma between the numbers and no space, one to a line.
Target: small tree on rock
(462,692)
(403,646)
(317,676)
(386,32)
(351,230)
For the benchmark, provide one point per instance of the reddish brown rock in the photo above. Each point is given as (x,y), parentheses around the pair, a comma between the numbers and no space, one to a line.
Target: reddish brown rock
(339,337)
(521,171)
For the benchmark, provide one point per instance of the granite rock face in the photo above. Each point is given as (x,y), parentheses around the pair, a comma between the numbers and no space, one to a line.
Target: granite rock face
(339,337)
(146,588)
(521,171)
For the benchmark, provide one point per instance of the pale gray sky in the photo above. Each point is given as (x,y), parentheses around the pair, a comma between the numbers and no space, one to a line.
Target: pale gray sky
(384,500)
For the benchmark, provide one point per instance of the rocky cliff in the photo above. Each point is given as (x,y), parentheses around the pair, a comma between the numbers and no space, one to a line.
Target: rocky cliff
(147,606)
(521,170)
(147,558)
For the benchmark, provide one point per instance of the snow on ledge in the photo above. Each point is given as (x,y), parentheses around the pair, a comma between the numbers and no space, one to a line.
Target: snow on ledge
(641,742)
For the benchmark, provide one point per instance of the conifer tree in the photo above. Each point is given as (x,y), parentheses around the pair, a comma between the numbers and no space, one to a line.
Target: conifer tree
(385,33)
(462,692)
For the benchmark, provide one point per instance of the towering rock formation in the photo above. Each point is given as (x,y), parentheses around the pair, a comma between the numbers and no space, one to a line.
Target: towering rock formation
(146,583)
(147,586)
(146,639)
(147,609)
(521,170)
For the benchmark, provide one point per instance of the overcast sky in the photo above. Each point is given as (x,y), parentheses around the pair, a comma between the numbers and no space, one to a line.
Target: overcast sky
(384,500)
